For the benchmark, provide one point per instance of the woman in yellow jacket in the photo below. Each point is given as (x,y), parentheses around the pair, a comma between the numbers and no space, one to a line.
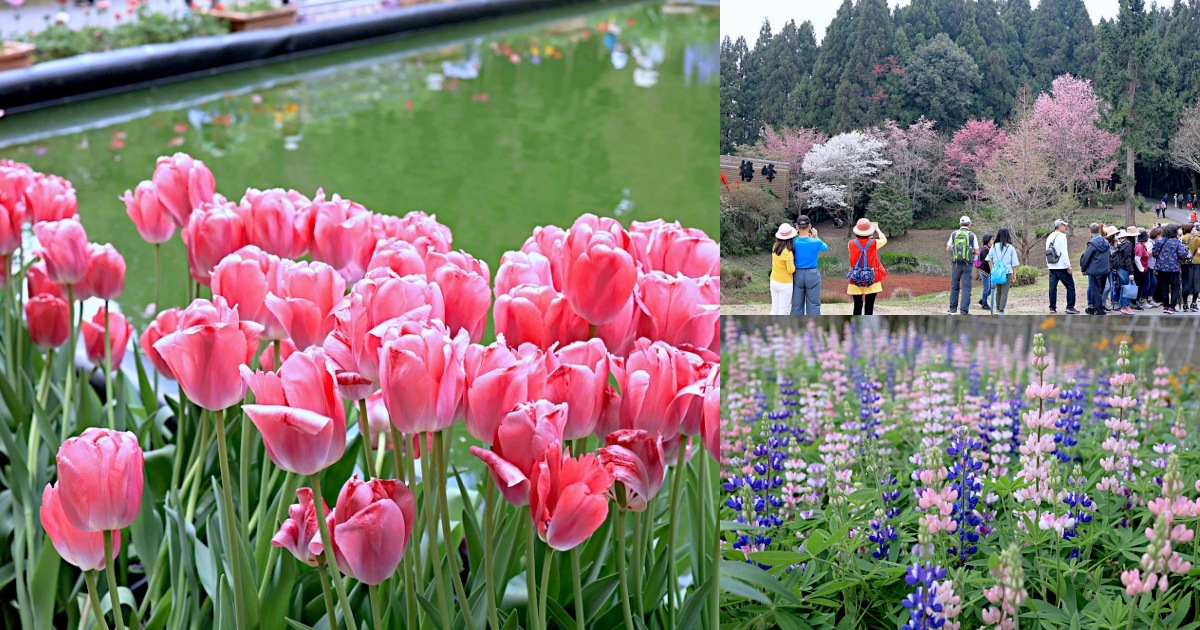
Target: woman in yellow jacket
(783,265)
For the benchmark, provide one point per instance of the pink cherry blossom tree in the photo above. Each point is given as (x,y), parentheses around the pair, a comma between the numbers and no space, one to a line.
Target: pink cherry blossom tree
(968,152)
(1065,127)
(1017,182)
(916,153)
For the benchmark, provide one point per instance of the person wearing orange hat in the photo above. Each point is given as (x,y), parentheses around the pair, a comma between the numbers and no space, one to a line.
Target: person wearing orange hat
(866,273)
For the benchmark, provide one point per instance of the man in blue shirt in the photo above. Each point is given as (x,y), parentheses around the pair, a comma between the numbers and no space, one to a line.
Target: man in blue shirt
(806,282)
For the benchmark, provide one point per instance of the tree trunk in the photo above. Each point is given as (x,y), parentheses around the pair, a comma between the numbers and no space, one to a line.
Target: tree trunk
(1129,192)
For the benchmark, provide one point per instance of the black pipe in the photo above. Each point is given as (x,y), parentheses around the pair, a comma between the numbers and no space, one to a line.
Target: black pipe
(96,74)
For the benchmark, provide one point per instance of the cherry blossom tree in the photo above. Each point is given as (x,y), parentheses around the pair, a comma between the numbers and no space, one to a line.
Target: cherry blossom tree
(1185,146)
(1064,125)
(1017,181)
(839,171)
(789,144)
(916,154)
(968,152)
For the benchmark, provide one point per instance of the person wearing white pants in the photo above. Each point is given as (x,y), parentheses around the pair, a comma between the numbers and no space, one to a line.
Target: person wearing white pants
(783,265)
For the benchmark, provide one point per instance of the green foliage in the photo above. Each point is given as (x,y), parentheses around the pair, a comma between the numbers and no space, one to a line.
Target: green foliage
(940,80)
(733,276)
(749,218)
(890,209)
(60,41)
(1024,275)
(892,259)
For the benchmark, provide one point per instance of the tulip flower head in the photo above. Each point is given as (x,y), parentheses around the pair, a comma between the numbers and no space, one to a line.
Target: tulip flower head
(422,376)
(635,458)
(204,354)
(371,526)
(64,250)
(100,477)
(119,331)
(300,529)
(522,439)
(49,320)
(183,184)
(568,498)
(599,273)
(153,221)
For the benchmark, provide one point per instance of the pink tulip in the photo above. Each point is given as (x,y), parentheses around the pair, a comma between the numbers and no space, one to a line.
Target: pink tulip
(119,332)
(151,218)
(422,376)
(620,333)
(81,548)
(676,311)
(183,184)
(710,426)
(578,376)
(49,319)
(635,458)
(422,230)
(298,532)
(38,282)
(12,218)
(50,198)
(377,421)
(598,268)
(105,277)
(340,230)
(100,476)
(244,278)
(213,231)
(673,249)
(354,343)
(549,241)
(164,324)
(521,268)
(304,298)
(299,413)
(64,249)
(522,439)
(277,221)
(371,526)
(15,179)
(497,379)
(266,360)
(538,315)
(651,380)
(467,279)
(398,255)
(205,353)
(568,498)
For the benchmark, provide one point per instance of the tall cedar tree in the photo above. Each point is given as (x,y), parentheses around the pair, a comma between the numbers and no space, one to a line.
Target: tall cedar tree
(827,73)
(860,98)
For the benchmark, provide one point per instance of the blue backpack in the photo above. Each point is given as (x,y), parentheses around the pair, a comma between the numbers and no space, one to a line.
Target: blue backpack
(1000,267)
(861,275)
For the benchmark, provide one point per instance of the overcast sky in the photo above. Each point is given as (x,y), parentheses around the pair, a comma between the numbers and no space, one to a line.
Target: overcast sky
(744,17)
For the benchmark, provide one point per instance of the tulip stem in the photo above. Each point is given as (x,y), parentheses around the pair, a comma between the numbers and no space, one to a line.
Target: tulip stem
(327,593)
(111,571)
(108,375)
(714,594)
(622,574)
(376,607)
(330,560)
(239,596)
(636,561)
(577,577)
(672,570)
(191,481)
(545,586)
(273,551)
(35,432)
(439,439)
(431,527)
(65,429)
(409,592)
(531,578)
(94,598)
(157,295)
(364,433)
(489,501)
(244,455)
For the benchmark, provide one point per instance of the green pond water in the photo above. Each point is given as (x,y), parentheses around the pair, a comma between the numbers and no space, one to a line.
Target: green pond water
(620,124)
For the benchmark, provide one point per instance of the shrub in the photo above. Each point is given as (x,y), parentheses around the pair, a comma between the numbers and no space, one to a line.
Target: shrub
(902,294)
(834,298)
(826,262)
(734,277)
(749,217)
(890,259)
(1024,275)
(937,222)
(60,41)
(890,209)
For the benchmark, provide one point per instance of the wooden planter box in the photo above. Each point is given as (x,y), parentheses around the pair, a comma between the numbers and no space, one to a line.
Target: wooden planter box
(257,20)
(15,55)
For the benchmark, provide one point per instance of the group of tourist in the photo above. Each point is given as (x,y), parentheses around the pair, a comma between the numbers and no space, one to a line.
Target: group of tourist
(1128,269)
(796,278)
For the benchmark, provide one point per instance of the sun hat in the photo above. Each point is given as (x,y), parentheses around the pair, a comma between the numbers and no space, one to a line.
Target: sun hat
(802,221)
(1110,231)
(1130,232)
(864,227)
(785,232)
(965,220)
